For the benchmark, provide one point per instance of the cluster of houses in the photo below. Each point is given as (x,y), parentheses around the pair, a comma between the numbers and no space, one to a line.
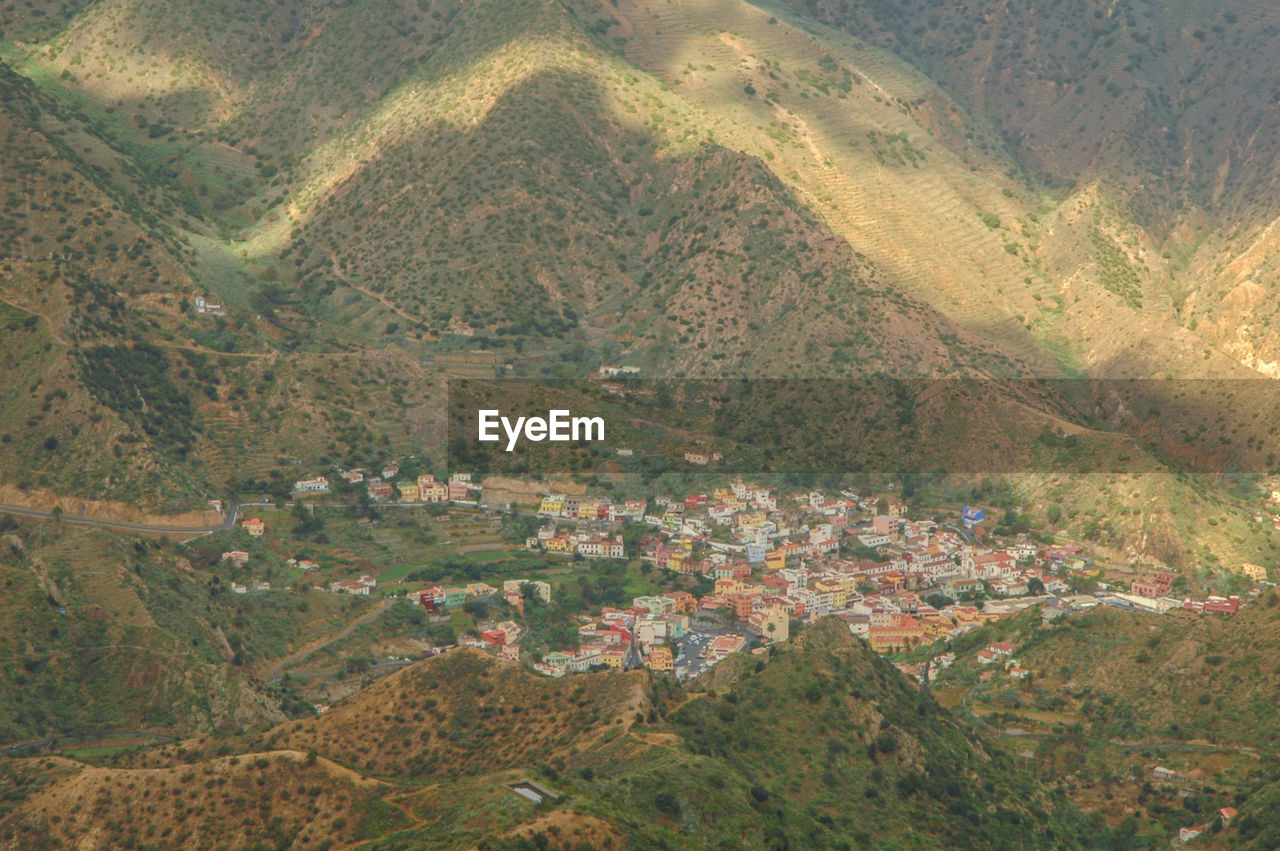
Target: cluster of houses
(769,559)
(360,587)
(424,489)
(585,544)
(857,557)
(440,600)
(808,555)
(1153,594)
(642,634)
(386,487)
(584,508)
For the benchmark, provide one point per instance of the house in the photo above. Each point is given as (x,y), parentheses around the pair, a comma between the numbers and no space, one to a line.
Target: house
(1226,814)
(379,489)
(1221,605)
(238,556)
(557,659)
(1256,572)
(771,622)
(1002,648)
(1187,834)
(1144,588)
(359,587)
(541,590)
(204,307)
(510,652)
(986,657)
(600,548)
(660,659)
(584,660)
(723,645)
(956,586)
(894,631)
(560,544)
(1019,673)
(254,526)
(684,602)
(433,492)
(408,491)
(613,657)
(317,484)
(353,477)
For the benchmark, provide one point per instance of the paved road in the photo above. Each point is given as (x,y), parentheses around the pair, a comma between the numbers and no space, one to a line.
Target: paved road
(227,522)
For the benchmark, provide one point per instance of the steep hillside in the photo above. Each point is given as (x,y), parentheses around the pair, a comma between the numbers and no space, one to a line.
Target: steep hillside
(111,635)
(1149,677)
(1174,105)
(296,800)
(626,758)
(1167,113)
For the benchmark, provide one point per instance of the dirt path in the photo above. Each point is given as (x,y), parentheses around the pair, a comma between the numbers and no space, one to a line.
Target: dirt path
(274,672)
(204,350)
(380,299)
(53,331)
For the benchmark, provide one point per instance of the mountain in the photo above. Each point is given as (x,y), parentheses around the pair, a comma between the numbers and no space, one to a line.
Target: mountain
(243,245)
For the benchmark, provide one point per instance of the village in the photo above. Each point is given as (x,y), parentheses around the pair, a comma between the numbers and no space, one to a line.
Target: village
(765,564)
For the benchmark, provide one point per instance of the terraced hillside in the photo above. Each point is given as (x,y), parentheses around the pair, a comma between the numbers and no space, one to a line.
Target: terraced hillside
(1111,694)
(1169,111)
(872,144)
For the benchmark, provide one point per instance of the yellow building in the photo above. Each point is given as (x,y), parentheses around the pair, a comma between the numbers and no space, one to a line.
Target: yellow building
(561,544)
(772,622)
(839,593)
(660,659)
(936,627)
(613,658)
(551,505)
(1256,572)
(775,560)
(589,509)
(408,491)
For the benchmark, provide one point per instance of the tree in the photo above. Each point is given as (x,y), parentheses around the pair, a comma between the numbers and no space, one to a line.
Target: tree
(1035,586)
(57,513)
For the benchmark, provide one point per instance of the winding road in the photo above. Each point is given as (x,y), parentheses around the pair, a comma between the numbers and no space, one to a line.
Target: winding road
(227,522)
